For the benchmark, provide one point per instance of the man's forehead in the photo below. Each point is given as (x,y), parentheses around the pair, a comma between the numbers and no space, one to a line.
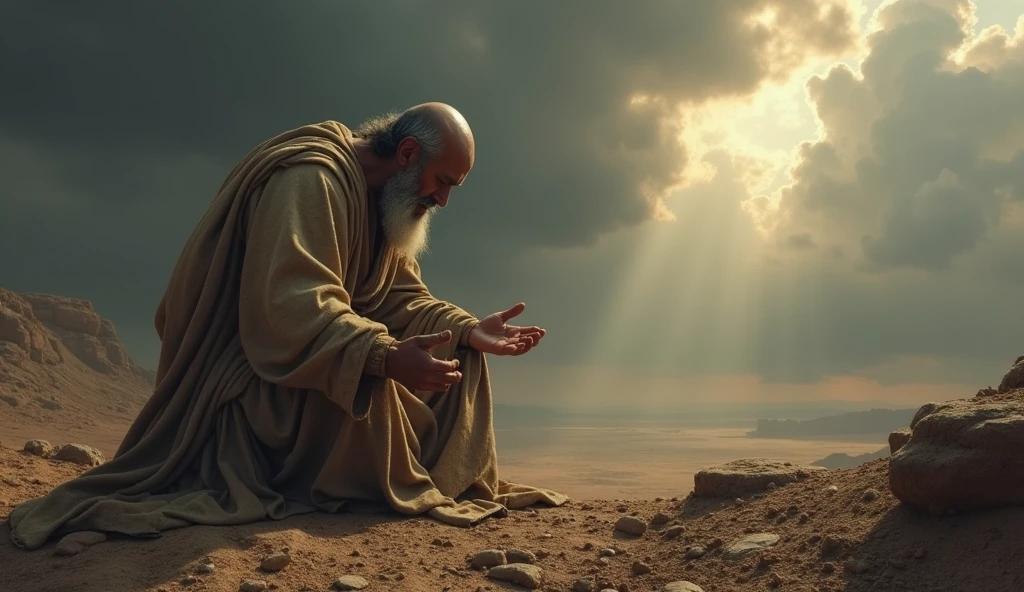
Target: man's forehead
(453,167)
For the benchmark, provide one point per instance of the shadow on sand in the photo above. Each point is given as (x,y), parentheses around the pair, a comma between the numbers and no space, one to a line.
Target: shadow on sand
(126,563)
(911,550)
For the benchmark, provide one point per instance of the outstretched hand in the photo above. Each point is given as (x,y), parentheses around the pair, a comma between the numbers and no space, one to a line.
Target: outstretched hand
(493,335)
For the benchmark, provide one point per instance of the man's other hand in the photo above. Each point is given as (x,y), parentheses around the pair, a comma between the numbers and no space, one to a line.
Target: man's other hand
(410,363)
(493,335)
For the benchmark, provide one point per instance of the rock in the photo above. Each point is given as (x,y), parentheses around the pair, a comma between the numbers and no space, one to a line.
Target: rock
(252,586)
(606,553)
(831,544)
(522,574)
(963,455)
(601,561)
(275,562)
(870,495)
(349,583)
(695,552)
(1014,377)
(631,525)
(584,585)
(660,518)
(828,568)
(672,532)
(205,568)
(750,544)
(855,566)
(76,542)
(79,454)
(520,556)
(639,568)
(488,558)
(898,439)
(748,476)
(831,490)
(38,447)
(681,586)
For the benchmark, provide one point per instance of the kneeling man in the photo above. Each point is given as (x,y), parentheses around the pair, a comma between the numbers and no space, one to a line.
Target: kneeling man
(304,364)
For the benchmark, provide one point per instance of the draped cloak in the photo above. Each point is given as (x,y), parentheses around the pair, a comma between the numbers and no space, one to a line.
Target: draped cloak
(270,399)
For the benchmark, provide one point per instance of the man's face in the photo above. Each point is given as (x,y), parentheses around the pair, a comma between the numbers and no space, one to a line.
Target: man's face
(410,197)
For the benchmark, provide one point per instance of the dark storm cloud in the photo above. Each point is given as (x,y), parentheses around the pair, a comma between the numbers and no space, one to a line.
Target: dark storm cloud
(119,119)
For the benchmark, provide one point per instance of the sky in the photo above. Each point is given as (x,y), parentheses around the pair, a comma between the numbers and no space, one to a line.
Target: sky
(731,202)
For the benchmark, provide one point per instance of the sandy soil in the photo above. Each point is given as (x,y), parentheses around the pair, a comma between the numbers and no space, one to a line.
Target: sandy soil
(878,545)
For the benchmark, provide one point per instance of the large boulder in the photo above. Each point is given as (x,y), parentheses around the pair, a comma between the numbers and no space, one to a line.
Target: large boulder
(748,476)
(1014,377)
(962,455)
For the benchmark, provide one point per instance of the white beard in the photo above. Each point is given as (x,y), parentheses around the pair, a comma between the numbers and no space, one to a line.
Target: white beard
(404,229)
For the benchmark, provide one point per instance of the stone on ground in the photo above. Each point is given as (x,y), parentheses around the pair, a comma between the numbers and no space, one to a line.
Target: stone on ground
(522,574)
(963,454)
(749,545)
(747,476)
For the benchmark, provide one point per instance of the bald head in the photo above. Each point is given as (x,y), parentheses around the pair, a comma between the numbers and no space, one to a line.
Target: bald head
(449,123)
(433,130)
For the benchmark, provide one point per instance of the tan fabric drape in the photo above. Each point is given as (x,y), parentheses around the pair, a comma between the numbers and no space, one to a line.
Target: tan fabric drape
(263,407)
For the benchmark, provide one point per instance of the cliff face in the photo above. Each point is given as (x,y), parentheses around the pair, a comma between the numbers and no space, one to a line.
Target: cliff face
(33,327)
(63,366)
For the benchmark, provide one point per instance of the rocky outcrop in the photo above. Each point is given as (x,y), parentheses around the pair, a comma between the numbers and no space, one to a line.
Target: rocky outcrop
(963,455)
(1014,377)
(43,329)
(23,337)
(748,476)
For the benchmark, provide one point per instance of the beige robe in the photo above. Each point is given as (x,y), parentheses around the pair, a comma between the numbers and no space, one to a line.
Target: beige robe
(269,399)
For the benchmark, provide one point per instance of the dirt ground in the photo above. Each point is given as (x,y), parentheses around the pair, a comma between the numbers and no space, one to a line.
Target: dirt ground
(828,541)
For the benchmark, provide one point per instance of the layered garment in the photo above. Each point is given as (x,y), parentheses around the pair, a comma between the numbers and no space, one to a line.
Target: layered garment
(270,398)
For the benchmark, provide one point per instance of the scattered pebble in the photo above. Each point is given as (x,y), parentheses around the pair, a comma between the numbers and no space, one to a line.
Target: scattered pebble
(673,532)
(695,552)
(631,525)
(831,489)
(830,544)
(660,518)
(681,586)
(871,495)
(253,586)
(205,568)
(350,583)
(584,585)
(750,544)
(275,562)
(488,558)
(639,568)
(855,566)
(606,553)
(520,556)
(523,574)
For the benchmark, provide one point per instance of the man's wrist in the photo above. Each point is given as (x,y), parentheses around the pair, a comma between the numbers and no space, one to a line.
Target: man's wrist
(467,333)
(376,359)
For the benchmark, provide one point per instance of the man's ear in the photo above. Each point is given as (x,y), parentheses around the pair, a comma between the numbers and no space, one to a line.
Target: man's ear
(408,152)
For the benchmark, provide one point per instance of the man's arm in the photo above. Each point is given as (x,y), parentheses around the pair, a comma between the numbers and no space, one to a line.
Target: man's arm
(296,322)
(410,304)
